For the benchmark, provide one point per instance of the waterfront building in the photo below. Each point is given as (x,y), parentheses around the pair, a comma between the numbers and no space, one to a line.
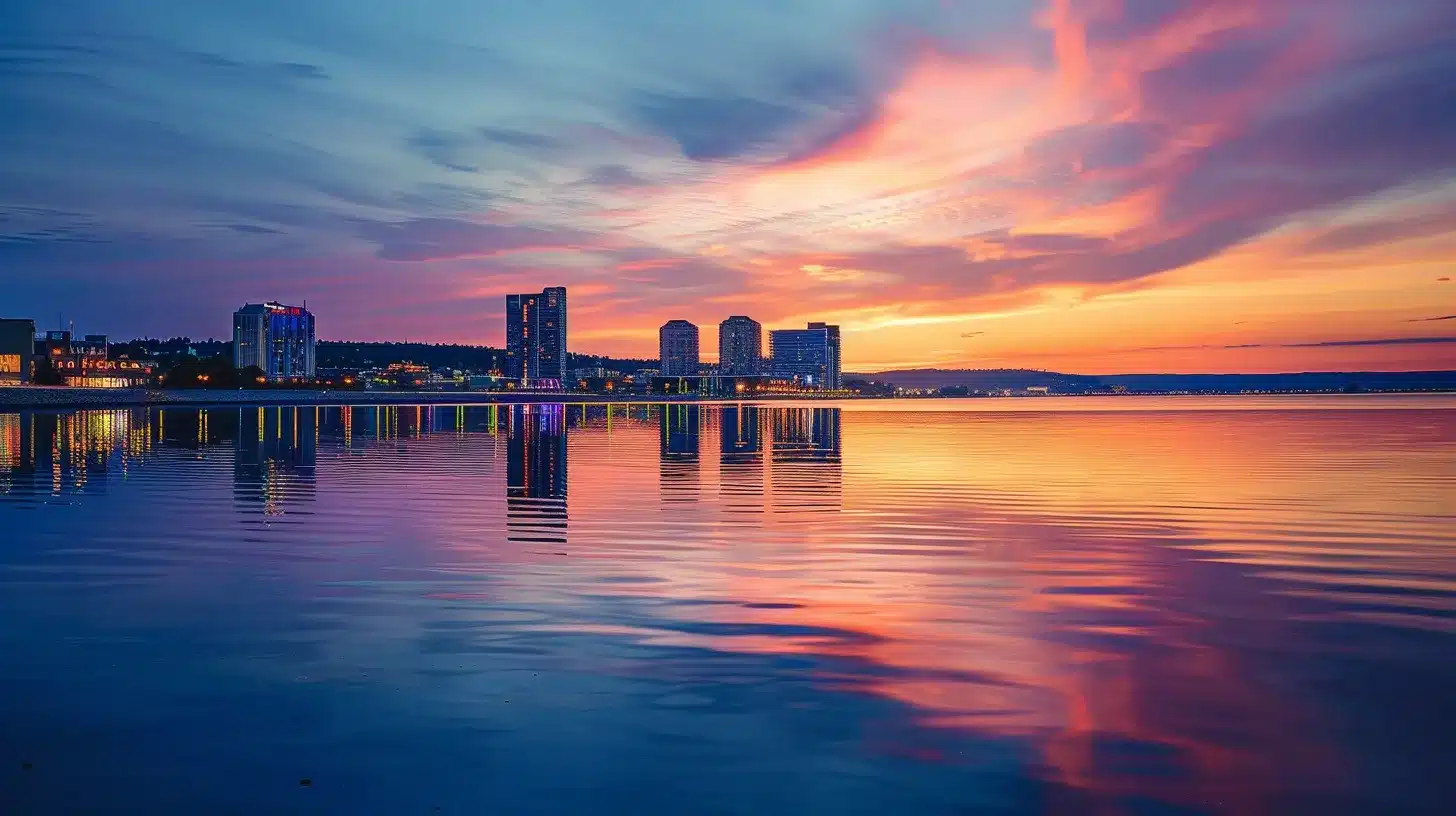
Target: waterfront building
(17,346)
(833,379)
(723,386)
(678,349)
(740,346)
(276,338)
(87,363)
(536,336)
(56,345)
(810,355)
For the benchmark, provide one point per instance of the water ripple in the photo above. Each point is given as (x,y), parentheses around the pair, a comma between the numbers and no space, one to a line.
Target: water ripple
(1220,605)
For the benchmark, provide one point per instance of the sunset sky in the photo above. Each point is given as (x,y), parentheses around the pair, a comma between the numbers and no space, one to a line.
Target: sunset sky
(1091,186)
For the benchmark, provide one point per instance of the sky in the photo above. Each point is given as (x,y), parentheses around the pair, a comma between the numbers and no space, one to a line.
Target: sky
(1090,186)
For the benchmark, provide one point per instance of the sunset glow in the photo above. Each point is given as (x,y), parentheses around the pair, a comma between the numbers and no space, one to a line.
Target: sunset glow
(1090,186)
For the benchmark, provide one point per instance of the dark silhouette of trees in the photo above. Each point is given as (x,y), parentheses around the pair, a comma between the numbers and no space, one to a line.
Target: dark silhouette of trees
(209,372)
(46,373)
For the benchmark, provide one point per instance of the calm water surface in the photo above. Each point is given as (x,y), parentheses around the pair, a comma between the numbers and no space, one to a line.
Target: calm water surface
(1084,606)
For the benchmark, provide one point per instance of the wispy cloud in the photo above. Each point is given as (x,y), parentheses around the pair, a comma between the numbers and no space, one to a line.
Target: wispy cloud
(1383,341)
(912,161)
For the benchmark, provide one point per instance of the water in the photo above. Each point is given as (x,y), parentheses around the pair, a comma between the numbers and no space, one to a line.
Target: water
(1128,605)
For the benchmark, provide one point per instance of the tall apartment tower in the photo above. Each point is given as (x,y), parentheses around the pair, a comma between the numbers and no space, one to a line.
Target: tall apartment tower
(278,339)
(536,335)
(833,378)
(740,346)
(677,343)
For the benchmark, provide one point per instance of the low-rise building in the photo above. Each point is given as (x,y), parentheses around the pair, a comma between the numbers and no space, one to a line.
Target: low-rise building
(17,347)
(725,386)
(87,363)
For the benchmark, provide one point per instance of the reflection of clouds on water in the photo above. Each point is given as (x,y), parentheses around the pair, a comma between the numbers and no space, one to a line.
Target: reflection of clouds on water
(919,612)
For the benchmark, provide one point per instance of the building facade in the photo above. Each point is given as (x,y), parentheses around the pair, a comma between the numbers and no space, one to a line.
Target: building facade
(714,385)
(17,346)
(277,339)
(740,346)
(677,343)
(536,335)
(833,378)
(810,356)
(86,362)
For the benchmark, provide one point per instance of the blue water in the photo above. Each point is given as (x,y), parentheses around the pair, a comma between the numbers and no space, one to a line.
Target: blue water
(1198,605)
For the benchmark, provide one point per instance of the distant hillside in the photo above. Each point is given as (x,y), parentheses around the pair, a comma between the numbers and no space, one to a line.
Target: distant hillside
(336,354)
(1019,379)
(1307,381)
(981,379)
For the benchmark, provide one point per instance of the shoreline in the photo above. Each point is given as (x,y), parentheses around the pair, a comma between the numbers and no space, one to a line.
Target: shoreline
(26,398)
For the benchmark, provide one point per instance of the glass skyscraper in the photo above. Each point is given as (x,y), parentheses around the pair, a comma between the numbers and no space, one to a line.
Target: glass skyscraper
(536,335)
(810,356)
(833,379)
(276,338)
(740,346)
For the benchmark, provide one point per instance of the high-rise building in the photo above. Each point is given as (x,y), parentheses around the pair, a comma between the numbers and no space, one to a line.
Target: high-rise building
(536,335)
(678,347)
(17,344)
(810,356)
(832,377)
(276,338)
(740,346)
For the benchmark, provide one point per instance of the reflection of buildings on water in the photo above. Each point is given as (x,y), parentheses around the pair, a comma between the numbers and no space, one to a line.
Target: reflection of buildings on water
(806,473)
(806,434)
(48,452)
(680,436)
(777,460)
(741,465)
(197,428)
(536,472)
(12,451)
(375,423)
(364,424)
(275,452)
(741,432)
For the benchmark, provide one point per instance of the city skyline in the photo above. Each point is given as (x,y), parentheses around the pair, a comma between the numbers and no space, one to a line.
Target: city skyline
(1093,187)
